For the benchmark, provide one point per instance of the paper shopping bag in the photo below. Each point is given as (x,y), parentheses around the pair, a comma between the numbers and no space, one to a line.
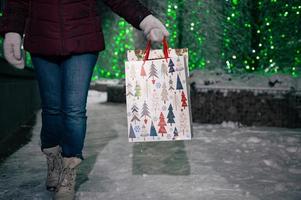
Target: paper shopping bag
(157,95)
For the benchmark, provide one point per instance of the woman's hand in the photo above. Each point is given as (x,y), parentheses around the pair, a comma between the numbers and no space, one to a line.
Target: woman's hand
(12,49)
(153,29)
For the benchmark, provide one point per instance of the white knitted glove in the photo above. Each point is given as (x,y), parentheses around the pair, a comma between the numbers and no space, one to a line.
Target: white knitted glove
(153,29)
(12,49)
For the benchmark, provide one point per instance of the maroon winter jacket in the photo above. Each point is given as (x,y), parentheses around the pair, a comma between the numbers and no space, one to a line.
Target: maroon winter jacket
(62,27)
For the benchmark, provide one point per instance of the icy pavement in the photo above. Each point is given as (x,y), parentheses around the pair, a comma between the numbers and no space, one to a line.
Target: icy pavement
(222,162)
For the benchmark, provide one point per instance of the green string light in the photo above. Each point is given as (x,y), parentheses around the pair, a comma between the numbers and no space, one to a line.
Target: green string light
(268,42)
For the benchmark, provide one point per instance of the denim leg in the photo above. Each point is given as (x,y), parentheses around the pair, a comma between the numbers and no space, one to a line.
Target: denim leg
(48,74)
(77,71)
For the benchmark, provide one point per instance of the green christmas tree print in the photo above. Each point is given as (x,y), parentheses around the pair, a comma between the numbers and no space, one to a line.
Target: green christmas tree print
(137,90)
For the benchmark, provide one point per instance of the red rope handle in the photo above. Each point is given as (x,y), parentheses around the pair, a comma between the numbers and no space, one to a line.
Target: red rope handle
(148,48)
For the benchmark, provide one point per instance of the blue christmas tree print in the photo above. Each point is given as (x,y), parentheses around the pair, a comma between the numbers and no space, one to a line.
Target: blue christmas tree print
(175,133)
(132,133)
(179,84)
(153,131)
(171,67)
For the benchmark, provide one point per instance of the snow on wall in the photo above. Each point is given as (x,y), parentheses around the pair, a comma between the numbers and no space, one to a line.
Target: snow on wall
(217,79)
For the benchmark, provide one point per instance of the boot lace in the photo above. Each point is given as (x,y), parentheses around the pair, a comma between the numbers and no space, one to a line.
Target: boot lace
(68,177)
(54,163)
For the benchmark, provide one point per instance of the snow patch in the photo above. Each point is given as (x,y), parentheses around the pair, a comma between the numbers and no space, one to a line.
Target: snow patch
(253,140)
(292,149)
(295,170)
(292,140)
(271,163)
(230,124)
(95,96)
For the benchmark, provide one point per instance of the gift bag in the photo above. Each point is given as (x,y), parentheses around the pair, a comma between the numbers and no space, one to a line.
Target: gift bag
(157,95)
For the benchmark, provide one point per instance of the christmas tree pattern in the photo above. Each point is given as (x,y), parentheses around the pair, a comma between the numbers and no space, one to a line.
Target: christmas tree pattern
(175,133)
(179,84)
(171,84)
(153,131)
(145,88)
(164,93)
(184,100)
(135,112)
(133,72)
(153,73)
(144,132)
(164,69)
(142,72)
(179,65)
(129,90)
(183,122)
(132,133)
(162,125)
(156,101)
(176,101)
(170,115)
(171,67)
(137,90)
(145,112)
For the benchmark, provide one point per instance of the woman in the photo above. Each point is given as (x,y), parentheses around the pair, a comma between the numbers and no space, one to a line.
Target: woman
(64,38)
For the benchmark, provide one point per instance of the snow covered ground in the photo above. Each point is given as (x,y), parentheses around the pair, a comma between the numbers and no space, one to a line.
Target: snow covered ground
(221,162)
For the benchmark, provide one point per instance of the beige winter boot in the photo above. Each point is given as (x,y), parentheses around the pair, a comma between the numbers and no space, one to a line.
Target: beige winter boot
(54,166)
(66,188)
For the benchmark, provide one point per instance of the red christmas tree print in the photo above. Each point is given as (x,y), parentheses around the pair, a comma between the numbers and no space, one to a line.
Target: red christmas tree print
(142,72)
(162,125)
(184,100)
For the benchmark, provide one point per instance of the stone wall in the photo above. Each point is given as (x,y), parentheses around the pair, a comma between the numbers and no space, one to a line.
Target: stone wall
(250,107)
(280,108)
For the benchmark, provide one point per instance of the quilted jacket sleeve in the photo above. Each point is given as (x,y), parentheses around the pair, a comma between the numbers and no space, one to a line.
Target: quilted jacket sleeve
(14,16)
(131,10)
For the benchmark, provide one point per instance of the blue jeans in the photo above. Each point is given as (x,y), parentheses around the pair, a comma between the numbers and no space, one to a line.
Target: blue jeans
(63,84)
